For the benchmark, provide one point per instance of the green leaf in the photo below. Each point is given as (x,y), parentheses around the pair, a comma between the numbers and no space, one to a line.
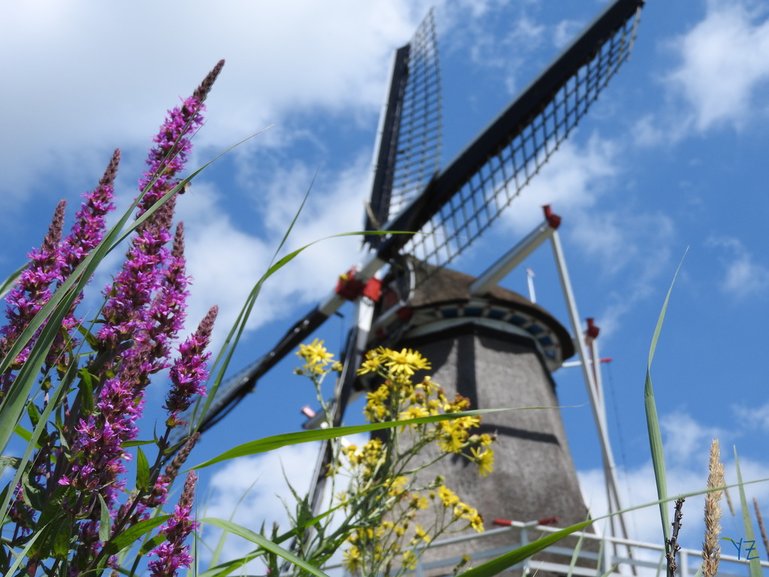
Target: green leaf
(264,543)
(137,443)
(105,521)
(142,471)
(652,420)
(33,414)
(575,554)
(86,390)
(150,544)
(277,441)
(134,533)
(755,562)
(61,537)
(25,434)
(88,336)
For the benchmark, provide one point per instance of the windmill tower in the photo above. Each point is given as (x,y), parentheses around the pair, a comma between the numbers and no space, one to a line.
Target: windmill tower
(491,345)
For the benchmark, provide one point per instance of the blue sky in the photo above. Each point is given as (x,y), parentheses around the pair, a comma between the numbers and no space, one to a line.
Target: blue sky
(671,156)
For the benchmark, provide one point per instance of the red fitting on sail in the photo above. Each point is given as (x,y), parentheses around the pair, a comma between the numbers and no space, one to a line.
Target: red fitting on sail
(552,219)
(373,289)
(350,288)
(592,331)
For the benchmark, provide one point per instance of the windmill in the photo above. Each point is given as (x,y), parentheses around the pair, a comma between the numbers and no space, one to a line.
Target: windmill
(484,341)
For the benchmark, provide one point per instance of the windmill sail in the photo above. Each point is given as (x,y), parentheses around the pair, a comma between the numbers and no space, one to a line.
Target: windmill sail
(409,148)
(461,202)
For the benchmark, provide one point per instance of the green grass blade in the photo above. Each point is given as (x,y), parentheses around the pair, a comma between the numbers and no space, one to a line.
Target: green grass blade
(652,420)
(265,544)
(8,283)
(277,441)
(576,552)
(610,570)
(22,555)
(229,567)
(224,356)
(754,563)
(601,545)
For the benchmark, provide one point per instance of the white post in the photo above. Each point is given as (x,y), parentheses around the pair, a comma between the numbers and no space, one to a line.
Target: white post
(598,411)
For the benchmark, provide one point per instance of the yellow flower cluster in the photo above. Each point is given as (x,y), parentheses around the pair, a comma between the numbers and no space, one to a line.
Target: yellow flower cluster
(397,364)
(316,358)
(398,512)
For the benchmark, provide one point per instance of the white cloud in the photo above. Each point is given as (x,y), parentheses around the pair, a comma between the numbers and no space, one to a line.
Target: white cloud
(254,491)
(226,262)
(80,78)
(724,60)
(742,276)
(505,55)
(686,437)
(565,32)
(753,417)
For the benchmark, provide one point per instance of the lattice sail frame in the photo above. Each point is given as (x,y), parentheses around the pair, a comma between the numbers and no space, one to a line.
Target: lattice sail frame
(410,136)
(492,186)
(418,154)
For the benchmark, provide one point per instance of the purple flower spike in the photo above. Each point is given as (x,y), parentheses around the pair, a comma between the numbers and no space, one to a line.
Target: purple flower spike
(189,371)
(33,289)
(173,554)
(201,92)
(88,229)
(168,310)
(132,291)
(86,233)
(167,159)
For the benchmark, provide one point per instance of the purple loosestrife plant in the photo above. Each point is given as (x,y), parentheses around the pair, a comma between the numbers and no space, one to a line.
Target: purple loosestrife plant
(130,294)
(85,235)
(189,372)
(33,288)
(173,554)
(88,230)
(75,497)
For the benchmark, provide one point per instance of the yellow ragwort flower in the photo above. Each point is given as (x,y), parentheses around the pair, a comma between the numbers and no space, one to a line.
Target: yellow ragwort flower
(398,486)
(405,362)
(315,356)
(476,522)
(413,412)
(409,560)
(447,496)
(485,460)
(421,533)
(372,361)
(352,559)
(419,502)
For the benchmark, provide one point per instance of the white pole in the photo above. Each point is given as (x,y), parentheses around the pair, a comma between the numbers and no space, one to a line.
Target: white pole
(598,411)
(530,281)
